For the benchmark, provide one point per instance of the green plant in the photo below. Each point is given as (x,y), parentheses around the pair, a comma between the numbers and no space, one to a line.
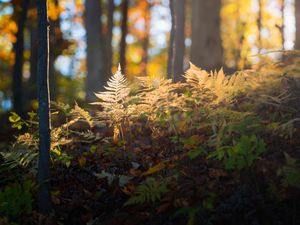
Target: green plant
(111,178)
(19,155)
(241,155)
(150,191)
(60,156)
(19,123)
(290,172)
(16,200)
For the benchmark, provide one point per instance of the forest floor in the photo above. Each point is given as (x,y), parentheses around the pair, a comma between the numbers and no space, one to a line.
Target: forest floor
(213,149)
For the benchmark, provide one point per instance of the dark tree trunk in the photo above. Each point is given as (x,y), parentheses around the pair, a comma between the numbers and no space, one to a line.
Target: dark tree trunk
(96,77)
(44,196)
(147,24)
(19,58)
(55,41)
(206,49)
(179,48)
(32,92)
(259,25)
(110,26)
(171,44)
(124,29)
(297,14)
(282,27)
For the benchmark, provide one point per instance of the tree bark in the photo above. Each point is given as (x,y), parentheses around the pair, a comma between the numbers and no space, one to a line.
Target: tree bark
(96,77)
(44,196)
(282,28)
(32,82)
(179,48)
(259,25)
(124,30)
(55,40)
(171,42)
(19,59)
(206,49)
(297,14)
(110,26)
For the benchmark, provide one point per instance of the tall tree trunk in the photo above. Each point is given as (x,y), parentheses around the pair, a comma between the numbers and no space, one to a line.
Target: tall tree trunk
(124,29)
(32,83)
(44,196)
(206,49)
(179,48)
(110,26)
(55,41)
(147,24)
(19,58)
(259,25)
(95,59)
(171,42)
(282,27)
(297,15)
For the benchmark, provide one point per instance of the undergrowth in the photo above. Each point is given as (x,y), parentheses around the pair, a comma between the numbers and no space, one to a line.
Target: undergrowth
(159,152)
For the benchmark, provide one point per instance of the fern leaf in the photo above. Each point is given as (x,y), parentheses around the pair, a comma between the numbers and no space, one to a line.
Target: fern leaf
(78,111)
(149,192)
(116,91)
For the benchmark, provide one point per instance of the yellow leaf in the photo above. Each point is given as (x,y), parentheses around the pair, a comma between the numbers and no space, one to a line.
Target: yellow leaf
(56,151)
(154,169)
(82,161)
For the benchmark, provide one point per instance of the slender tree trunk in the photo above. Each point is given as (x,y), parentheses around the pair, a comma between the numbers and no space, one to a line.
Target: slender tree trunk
(44,196)
(259,25)
(147,24)
(32,82)
(179,49)
(110,26)
(171,44)
(96,78)
(55,41)
(206,49)
(124,29)
(19,58)
(297,15)
(282,27)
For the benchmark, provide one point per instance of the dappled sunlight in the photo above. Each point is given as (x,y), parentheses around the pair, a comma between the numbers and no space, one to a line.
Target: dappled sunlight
(126,112)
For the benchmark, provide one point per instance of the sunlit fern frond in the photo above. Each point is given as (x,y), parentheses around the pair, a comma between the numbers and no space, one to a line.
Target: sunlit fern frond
(158,96)
(82,114)
(19,155)
(224,87)
(117,90)
(196,76)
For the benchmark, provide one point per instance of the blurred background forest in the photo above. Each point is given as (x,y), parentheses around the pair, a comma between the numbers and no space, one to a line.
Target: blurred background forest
(203,148)
(154,38)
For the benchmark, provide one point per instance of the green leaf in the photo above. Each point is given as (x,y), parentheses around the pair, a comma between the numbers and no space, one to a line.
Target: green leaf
(14,117)
(193,154)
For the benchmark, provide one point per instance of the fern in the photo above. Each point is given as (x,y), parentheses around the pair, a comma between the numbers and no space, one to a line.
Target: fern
(115,104)
(81,113)
(224,87)
(150,191)
(18,156)
(117,90)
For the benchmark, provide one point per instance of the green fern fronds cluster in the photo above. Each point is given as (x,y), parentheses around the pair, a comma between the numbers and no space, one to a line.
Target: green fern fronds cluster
(149,192)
